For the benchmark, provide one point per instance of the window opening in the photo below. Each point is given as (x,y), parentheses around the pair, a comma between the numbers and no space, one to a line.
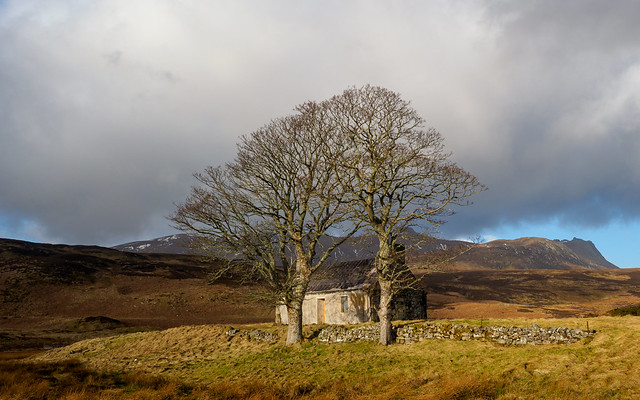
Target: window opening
(345,303)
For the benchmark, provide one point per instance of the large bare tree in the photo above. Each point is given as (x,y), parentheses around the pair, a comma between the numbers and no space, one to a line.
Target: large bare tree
(274,202)
(398,174)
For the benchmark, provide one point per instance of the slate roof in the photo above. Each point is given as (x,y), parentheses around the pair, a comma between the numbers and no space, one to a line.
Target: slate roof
(343,276)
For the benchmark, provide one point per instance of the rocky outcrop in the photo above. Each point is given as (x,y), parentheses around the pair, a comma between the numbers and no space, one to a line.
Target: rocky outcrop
(587,251)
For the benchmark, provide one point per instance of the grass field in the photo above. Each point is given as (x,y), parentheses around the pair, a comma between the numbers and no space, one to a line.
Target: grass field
(201,362)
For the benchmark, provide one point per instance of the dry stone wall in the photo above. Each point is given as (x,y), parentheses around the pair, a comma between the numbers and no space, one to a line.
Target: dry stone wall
(532,335)
(252,334)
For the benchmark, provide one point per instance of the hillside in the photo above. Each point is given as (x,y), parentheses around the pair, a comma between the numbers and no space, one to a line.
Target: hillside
(67,264)
(539,293)
(50,290)
(56,294)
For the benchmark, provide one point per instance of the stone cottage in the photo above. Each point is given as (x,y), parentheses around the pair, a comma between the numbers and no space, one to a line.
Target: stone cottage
(347,293)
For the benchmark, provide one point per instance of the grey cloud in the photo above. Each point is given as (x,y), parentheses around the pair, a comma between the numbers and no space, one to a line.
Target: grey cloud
(107,108)
(550,28)
(571,117)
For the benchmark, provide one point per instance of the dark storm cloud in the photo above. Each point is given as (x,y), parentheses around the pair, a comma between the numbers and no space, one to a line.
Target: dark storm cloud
(107,107)
(570,116)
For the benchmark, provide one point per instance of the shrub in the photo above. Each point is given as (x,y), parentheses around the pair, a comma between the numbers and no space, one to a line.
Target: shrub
(629,310)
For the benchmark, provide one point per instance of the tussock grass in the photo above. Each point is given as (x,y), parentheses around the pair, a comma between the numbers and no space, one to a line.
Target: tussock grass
(203,362)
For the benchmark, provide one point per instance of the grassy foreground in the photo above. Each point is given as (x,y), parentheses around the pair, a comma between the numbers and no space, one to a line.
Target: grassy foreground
(201,362)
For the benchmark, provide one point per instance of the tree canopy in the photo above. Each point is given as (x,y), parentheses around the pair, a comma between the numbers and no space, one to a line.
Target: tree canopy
(361,159)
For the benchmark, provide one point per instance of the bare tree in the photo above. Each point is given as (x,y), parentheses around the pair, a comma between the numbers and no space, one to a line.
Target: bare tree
(227,227)
(398,174)
(274,202)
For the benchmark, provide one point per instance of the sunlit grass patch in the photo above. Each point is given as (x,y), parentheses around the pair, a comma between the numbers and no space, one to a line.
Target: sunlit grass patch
(208,362)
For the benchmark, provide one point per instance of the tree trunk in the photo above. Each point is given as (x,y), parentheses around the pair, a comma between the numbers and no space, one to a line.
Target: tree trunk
(384,312)
(384,264)
(294,307)
(294,328)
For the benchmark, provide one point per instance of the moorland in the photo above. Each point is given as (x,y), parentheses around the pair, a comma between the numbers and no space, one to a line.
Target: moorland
(149,326)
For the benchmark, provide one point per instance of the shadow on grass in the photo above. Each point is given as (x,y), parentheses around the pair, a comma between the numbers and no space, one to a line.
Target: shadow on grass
(21,379)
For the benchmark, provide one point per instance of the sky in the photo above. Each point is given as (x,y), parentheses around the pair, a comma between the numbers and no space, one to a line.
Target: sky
(107,108)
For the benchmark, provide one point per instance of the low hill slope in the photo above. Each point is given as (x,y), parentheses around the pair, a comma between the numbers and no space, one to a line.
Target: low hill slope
(46,282)
(534,293)
(67,264)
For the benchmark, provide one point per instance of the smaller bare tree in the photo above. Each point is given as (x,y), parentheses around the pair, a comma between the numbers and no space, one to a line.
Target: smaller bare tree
(221,215)
(274,203)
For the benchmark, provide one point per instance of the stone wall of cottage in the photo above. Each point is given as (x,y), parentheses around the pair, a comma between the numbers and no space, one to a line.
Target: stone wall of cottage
(357,302)
(532,335)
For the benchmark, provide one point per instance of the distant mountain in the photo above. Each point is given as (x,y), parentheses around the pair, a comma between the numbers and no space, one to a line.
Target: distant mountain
(534,253)
(523,253)
(173,244)
(355,248)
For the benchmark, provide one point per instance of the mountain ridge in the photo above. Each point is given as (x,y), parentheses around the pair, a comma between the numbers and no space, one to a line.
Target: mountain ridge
(535,253)
(521,253)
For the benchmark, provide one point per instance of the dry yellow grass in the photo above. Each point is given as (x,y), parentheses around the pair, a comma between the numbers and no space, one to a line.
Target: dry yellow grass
(602,368)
